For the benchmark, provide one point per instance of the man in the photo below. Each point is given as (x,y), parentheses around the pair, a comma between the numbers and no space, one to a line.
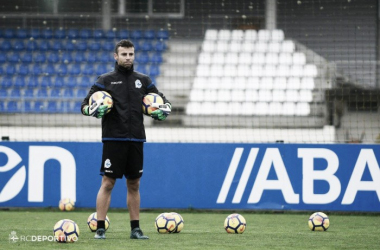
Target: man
(123,133)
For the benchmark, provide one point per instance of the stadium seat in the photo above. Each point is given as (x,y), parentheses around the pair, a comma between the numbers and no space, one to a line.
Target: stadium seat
(10,69)
(285,58)
(72,33)
(35,33)
(277,35)
(3,93)
(80,56)
(28,93)
(44,45)
(159,46)
(39,57)
(142,68)
(305,95)
(288,46)
(81,46)
(278,95)
(47,34)
(56,45)
(19,81)
(13,107)
(149,34)
(95,46)
(101,69)
(250,35)
(13,57)
(53,57)
(61,69)
(15,93)
(55,93)
(265,95)
(81,93)
(66,57)
(142,58)
(264,35)
(59,34)
(88,69)
(27,57)
(310,70)
(271,58)
(58,81)
(36,69)
(280,83)
(266,82)
(123,34)
(32,82)
(108,46)
(302,109)
(41,93)
(222,46)
(248,47)
(85,33)
(69,46)
(146,46)
(156,58)
(211,35)
(39,107)
(104,57)
(68,93)
(293,83)
(98,34)
(5,45)
(136,34)
(9,33)
(307,83)
(3,58)
(18,45)
(288,108)
(237,35)
(224,35)
(244,58)
(208,46)
(28,107)
(299,58)
(235,46)
(274,47)
(110,34)
(261,46)
(162,34)
(154,70)
(84,82)
(46,82)
(74,69)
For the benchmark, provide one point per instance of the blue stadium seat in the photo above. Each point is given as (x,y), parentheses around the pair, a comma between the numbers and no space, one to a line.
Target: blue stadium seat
(41,93)
(18,45)
(108,46)
(84,81)
(75,107)
(15,93)
(85,33)
(47,34)
(2,109)
(69,46)
(5,45)
(81,93)
(146,46)
(2,69)
(39,57)
(142,58)
(136,34)
(74,69)
(101,69)
(160,46)
(141,68)
(28,107)
(35,33)
(31,45)
(73,33)
(36,69)
(32,82)
(39,107)
(56,45)
(52,57)
(19,82)
(46,82)
(88,69)
(6,82)
(27,57)
(110,34)
(43,45)
(95,46)
(162,34)
(59,82)
(54,107)
(3,58)
(80,56)
(4,93)
(123,34)
(13,107)
(103,57)
(59,34)
(48,69)
(81,46)
(90,56)
(9,33)
(10,69)
(66,57)
(156,58)
(13,57)
(55,93)
(28,93)
(68,93)
(60,69)
(154,70)
(70,81)
(98,34)
(21,33)
(149,34)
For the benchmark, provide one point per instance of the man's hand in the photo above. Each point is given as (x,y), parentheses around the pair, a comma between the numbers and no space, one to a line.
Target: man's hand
(97,111)
(162,111)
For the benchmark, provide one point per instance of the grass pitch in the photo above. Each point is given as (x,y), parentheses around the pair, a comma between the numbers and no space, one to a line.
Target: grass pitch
(202,230)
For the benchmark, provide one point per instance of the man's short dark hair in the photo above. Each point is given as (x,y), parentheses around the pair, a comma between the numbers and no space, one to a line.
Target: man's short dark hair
(124,43)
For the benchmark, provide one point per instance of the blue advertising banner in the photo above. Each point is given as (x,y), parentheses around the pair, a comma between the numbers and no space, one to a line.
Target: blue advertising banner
(202,176)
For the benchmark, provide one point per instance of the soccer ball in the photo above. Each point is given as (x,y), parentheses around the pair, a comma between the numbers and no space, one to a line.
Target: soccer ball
(66,204)
(235,224)
(179,222)
(103,97)
(66,231)
(147,103)
(319,222)
(92,222)
(165,223)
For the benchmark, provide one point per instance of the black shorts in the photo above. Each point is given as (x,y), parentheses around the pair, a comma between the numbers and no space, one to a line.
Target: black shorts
(122,158)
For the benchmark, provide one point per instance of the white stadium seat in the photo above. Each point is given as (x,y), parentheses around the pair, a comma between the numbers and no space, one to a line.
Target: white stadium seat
(283,70)
(278,95)
(264,35)
(210,95)
(265,95)
(200,83)
(204,58)
(233,58)
(247,108)
(291,95)
(302,109)
(306,95)
(277,35)
(274,47)
(251,95)
(196,95)
(275,108)
(213,82)
(218,58)
(307,83)
(237,95)
(261,46)
(258,58)
(224,95)
(207,108)
(208,46)
(222,46)
(237,35)
(285,58)
(279,82)
(296,70)
(221,108)
(243,70)
(211,35)
(250,35)
(299,58)
(235,46)
(203,70)
(245,58)
(288,108)
(248,47)
(269,70)
(271,58)
(216,70)
(288,46)
(253,82)
(266,82)
(224,35)
(193,108)
(256,70)
(310,70)
(239,82)
(229,70)
(294,83)
(261,108)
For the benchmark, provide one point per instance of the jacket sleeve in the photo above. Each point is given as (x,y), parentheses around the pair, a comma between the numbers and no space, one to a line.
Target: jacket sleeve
(98,86)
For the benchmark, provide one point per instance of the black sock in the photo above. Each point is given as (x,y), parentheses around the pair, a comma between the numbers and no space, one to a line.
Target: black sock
(134,224)
(101,224)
